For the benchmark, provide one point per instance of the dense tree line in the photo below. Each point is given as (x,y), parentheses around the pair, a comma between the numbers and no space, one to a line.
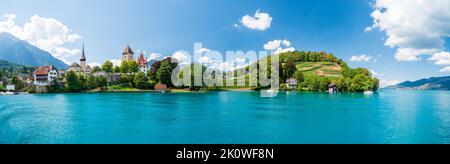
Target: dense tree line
(78,82)
(130,77)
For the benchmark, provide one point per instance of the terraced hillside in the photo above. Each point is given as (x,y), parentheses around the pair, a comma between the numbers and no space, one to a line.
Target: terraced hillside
(320,70)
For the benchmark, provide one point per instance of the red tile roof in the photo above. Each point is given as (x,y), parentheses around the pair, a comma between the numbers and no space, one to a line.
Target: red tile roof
(141,60)
(43,70)
(159,87)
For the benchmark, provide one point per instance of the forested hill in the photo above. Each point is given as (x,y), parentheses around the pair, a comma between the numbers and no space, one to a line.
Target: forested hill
(315,71)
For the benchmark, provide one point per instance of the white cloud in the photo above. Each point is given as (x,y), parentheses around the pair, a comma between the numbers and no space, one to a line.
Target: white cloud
(94,65)
(116,62)
(445,70)
(182,57)
(154,56)
(46,33)
(236,26)
(272,45)
(441,58)
(286,43)
(414,27)
(202,50)
(411,54)
(279,46)
(368,29)
(63,53)
(260,21)
(416,24)
(375,74)
(284,50)
(387,83)
(384,82)
(362,58)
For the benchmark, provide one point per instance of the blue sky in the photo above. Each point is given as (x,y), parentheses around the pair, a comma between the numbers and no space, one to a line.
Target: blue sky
(335,26)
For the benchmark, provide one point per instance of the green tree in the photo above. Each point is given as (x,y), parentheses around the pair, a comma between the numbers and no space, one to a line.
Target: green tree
(361,83)
(96,69)
(72,82)
(152,75)
(19,84)
(108,67)
(2,88)
(289,68)
(116,69)
(151,84)
(164,73)
(133,67)
(54,87)
(299,76)
(140,81)
(124,67)
(376,84)
(91,82)
(324,83)
(102,82)
(83,82)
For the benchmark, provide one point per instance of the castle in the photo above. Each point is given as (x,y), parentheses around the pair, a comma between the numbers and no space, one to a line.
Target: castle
(128,55)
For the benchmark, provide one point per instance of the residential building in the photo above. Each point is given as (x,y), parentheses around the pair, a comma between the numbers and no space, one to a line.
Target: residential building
(291,83)
(44,75)
(332,88)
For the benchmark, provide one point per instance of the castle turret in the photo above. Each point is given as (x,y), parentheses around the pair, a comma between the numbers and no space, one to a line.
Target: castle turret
(127,54)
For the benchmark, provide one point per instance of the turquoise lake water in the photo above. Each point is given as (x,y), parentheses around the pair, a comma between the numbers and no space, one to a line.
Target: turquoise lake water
(390,116)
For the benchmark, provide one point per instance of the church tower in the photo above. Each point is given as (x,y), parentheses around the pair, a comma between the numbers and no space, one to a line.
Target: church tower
(83,61)
(127,54)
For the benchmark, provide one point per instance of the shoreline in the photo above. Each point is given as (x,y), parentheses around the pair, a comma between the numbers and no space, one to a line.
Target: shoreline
(178,91)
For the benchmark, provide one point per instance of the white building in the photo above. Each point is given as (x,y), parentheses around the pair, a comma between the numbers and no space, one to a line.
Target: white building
(291,83)
(143,64)
(44,75)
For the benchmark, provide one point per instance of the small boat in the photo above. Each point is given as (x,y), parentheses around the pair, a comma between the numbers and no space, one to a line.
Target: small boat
(368,92)
(8,93)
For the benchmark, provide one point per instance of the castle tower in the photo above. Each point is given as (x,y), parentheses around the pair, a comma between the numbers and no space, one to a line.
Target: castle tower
(83,61)
(127,54)
(143,64)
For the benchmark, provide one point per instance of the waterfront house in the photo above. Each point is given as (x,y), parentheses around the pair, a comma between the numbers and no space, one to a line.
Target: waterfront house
(162,88)
(43,75)
(291,83)
(332,88)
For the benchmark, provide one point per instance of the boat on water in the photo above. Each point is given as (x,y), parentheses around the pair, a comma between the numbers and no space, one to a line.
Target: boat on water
(368,92)
(7,93)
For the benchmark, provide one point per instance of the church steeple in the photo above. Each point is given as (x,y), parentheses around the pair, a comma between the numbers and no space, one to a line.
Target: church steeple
(83,56)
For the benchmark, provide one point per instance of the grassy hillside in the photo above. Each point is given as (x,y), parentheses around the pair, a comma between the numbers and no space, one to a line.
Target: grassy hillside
(320,70)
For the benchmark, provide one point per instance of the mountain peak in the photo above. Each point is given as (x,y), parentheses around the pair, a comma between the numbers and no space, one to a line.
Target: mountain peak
(433,83)
(17,51)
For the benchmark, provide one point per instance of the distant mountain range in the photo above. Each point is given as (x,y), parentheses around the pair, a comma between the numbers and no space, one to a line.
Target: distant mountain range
(21,52)
(434,83)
